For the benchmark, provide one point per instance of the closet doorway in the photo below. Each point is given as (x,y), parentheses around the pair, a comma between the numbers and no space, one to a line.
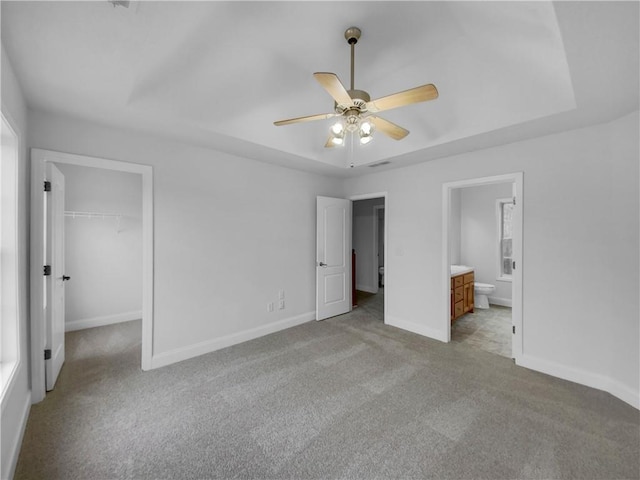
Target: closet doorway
(126,222)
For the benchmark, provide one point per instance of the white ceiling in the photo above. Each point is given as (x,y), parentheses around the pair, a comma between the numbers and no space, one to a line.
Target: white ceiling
(219,73)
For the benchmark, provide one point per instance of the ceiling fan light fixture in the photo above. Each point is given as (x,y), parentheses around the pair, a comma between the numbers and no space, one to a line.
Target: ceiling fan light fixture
(365,131)
(356,111)
(337,140)
(337,128)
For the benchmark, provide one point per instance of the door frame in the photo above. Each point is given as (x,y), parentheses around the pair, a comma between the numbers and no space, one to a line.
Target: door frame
(39,158)
(369,196)
(516,179)
(376,244)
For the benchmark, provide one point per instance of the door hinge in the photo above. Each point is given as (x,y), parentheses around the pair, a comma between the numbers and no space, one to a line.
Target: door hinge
(514,201)
(47,186)
(513,329)
(513,265)
(47,354)
(47,270)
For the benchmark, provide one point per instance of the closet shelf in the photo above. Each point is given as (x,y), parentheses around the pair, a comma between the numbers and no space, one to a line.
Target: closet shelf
(92,215)
(100,215)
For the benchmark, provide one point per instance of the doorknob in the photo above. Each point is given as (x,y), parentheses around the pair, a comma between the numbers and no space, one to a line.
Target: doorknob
(323,264)
(65,278)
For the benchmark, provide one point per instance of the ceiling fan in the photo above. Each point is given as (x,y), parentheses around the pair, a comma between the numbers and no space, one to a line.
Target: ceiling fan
(355,108)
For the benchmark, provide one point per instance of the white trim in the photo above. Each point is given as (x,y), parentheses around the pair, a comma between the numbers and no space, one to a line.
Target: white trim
(503,302)
(376,245)
(38,159)
(102,321)
(582,377)
(416,328)
(9,467)
(369,196)
(516,179)
(208,346)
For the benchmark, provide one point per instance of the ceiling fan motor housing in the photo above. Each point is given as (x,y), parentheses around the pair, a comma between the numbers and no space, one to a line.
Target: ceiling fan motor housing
(359,101)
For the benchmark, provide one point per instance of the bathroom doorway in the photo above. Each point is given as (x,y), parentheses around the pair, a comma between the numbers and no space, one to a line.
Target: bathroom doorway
(368,243)
(482,258)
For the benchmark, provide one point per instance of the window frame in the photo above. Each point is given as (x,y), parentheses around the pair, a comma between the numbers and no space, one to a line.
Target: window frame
(501,276)
(10,351)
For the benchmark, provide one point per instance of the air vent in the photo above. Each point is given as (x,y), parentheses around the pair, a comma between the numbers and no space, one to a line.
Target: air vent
(379,164)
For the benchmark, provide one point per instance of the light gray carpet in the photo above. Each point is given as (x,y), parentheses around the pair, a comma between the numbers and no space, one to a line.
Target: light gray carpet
(344,398)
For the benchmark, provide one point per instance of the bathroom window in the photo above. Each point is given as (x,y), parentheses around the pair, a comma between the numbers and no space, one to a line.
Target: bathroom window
(505,238)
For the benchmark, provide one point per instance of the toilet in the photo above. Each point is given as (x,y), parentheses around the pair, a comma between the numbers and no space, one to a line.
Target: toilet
(480,292)
(381,275)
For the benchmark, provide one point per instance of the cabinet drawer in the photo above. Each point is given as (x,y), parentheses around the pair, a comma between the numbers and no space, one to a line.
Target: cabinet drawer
(457,281)
(468,278)
(459,294)
(458,309)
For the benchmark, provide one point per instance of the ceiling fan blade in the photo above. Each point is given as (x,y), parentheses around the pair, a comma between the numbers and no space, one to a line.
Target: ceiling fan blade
(332,84)
(308,118)
(388,128)
(400,99)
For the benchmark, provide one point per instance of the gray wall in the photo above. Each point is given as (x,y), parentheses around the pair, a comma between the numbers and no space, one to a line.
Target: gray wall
(17,397)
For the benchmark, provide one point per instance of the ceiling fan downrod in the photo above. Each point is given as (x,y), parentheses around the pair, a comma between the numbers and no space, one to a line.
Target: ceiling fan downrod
(352,34)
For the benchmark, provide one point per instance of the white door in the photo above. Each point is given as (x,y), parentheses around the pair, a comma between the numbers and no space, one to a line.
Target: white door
(54,318)
(333,257)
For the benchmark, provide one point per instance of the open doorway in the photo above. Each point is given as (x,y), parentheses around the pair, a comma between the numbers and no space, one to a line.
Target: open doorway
(127,221)
(482,263)
(368,237)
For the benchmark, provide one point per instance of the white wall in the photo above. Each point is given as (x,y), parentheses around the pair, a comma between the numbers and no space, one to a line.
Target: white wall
(17,399)
(580,253)
(479,236)
(103,257)
(229,234)
(363,242)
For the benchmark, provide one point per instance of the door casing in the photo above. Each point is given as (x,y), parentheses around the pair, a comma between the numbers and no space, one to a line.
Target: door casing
(39,158)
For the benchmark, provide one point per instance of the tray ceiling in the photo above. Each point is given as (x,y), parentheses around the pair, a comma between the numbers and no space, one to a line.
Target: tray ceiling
(220,73)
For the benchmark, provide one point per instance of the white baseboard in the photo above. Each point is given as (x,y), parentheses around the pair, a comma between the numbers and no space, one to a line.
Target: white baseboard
(208,346)
(582,377)
(102,321)
(416,328)
(9,468)
(504,302)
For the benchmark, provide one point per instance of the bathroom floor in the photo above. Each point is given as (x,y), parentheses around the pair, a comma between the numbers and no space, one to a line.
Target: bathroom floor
(486,329)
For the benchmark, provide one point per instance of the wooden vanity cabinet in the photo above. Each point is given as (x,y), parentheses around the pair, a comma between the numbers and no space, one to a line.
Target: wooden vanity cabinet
(461,294)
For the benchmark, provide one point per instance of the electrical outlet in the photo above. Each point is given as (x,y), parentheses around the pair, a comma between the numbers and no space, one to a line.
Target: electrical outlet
(281,294)
(281,305)
(270,307)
